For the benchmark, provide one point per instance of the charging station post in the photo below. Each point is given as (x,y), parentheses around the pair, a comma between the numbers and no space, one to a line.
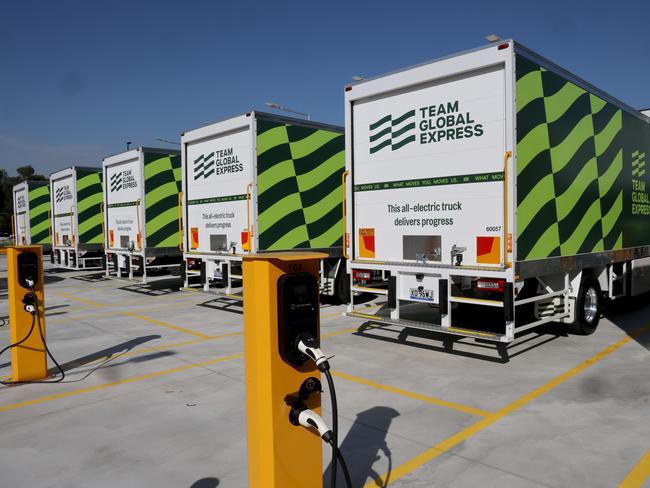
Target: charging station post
(281,302)
(25,273)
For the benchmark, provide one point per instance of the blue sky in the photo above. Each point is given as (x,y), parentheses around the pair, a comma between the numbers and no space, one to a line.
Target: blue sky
(80,78)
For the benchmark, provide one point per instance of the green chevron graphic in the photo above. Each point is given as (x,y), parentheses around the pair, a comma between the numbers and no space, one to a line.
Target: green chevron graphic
(569,167)
(394,133)
(89,200)
(39,208)
(299,186)
(162,183)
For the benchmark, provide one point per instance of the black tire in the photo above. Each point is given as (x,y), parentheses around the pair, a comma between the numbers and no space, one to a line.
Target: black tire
(343,287)
(182,272)
(588,307)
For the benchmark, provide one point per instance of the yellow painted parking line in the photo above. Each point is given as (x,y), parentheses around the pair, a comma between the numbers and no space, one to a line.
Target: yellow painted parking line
(639,474)
(342,311)
(166,325)
(339,332)
(415,396)
(142,349)
(118,312)
(331,315)
(451,442)
(57,396)
(364,315)
(152,375)
(151,299)
(79,299)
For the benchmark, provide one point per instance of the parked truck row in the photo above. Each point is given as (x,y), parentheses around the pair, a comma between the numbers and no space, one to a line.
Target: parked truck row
(492,181)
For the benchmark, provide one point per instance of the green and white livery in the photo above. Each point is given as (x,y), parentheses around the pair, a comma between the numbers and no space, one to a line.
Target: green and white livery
(258,183)
(32,214)
(76,196)
(141,211)
(495,178)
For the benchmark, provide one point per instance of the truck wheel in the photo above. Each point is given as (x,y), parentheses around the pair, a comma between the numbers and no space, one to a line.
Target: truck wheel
(182,271)
(343,288)
(588,307)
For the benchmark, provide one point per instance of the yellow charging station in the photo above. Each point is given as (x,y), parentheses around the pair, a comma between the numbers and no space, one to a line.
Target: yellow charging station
(279,303)
(28,360)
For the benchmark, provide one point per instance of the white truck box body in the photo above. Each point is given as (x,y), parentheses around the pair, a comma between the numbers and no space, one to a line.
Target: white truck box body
(216,206)
(124,186)
(63,194)
(447,131)
(21,214)
(494,178)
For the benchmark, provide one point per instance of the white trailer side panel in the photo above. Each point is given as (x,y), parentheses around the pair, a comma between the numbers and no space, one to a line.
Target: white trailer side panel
(428,171)
(218,170)
(63,193)
(124,205)
(21,215)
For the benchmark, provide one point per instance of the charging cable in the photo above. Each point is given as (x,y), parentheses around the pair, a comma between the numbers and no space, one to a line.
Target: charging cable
(32,308)
(308,345)
(300,415)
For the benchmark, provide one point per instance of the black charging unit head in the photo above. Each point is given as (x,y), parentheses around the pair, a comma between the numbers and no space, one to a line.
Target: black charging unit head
(298,314)
(27,269)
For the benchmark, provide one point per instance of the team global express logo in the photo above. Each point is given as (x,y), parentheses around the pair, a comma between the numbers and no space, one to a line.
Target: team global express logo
(640,194)
(20,202)
(217,162)
(123,180)
(426,125)
(62,193)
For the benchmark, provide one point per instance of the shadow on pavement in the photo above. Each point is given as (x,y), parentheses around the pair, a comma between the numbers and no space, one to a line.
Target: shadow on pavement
(155,288)
(91,278)
(225,304)
(486,350)
(205,483)
(364,445)
(52,279)
(105,356)
(632,315)
(108,353)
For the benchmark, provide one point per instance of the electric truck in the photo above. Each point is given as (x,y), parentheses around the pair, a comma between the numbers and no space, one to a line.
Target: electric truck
(141,211)
(495,182)
(259,182)
(31,219)
(76,196)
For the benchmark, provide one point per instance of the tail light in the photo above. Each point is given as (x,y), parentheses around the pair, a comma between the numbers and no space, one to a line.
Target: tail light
(490,284)
(361,275)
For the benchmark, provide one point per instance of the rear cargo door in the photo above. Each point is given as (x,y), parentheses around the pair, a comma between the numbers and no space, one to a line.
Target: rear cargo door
(63,206)
(124,203)
(218,171)
(428,171)
(21,216)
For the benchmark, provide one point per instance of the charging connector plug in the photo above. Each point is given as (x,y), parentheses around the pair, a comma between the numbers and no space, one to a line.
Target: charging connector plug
(300,415)
(308,345)
(29,302)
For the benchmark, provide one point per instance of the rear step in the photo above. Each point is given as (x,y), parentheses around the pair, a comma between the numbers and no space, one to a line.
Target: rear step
(368,289)
(477,334)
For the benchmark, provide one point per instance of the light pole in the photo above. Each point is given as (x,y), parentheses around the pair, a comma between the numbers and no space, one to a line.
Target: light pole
(167,141)
(277,106)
